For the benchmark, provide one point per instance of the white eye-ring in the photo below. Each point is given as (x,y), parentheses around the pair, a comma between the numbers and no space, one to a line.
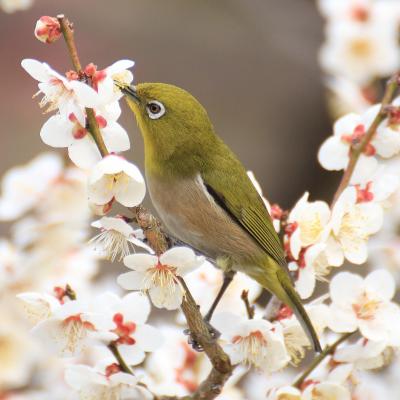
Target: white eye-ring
(155,109)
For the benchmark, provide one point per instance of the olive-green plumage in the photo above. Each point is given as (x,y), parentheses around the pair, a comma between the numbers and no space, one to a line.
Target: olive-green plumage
(203,194)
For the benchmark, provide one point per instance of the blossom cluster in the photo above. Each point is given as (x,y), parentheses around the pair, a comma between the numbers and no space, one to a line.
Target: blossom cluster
(361,47)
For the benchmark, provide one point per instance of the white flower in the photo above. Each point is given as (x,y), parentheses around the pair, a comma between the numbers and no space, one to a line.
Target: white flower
(350,130)
(23,187)
(115,177)
(117,238)
(10,6)
(387,137)
(326,391)
(59,93)
(365,354)
(67,131)
(253,342)
(365,304)
(68,327)
(296,340)
(103,80)
(159,275)
(38,306)
(360,52)
(93,384)
(314,264)
(126,325)
(310,220)
(352,223)
(361,11)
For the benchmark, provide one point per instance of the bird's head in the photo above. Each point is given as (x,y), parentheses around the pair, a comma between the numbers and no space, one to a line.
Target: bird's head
(173,123)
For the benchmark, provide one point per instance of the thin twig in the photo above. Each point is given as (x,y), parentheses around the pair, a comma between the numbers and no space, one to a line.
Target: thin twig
(93,126)
(330,349)
(357,150)
(121,362)
(249,308)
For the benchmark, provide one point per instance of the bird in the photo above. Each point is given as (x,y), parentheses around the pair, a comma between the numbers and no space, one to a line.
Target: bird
(203,195)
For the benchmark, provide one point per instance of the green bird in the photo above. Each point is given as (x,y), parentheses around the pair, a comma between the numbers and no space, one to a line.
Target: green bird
(203,194)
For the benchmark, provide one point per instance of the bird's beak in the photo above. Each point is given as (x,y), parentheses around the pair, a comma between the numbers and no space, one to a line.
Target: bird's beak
(131,92)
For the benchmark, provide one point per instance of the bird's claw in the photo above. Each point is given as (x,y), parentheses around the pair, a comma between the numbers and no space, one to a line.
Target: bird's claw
(196,346)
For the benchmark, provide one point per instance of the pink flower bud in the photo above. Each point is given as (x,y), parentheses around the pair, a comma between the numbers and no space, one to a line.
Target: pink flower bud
(47,29)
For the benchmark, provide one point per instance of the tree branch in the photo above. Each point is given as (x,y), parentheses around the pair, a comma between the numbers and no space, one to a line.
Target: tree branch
(222,369)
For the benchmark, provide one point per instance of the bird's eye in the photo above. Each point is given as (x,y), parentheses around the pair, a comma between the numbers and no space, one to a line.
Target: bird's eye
(155,109)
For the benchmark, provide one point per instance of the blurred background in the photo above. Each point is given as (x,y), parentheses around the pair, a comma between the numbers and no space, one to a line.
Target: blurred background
(252,64)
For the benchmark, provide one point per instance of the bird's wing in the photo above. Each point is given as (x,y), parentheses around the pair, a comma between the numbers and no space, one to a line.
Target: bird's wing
(233,190)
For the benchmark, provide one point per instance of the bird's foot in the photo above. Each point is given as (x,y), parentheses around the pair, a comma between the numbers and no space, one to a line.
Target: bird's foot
(196,346)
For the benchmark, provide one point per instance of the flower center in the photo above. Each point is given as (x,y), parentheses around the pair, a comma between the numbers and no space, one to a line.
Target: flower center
(163,276)
(361,48)
(366,308)
(75,331)
(253,347)
(310,229)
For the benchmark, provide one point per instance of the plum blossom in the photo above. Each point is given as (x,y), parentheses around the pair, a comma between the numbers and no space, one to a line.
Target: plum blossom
(296,340)
(308,222)
(67,131)
(253,342)
(360,52)
(314,391)
(315,263)
(126,325)
(349,130)
(47,29)
(107,384)
(61,93)
(66,328)
(103,81)
(159,275)
(365,304)
(352,223)
(10,6)
(116,178)
(117,238)
(360,11)
(364,354)
(23,187)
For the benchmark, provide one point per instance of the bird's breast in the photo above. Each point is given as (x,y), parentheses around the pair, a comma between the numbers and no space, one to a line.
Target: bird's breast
(191,214)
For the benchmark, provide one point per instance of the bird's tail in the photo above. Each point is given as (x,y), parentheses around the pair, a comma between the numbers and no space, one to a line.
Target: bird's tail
(290,297)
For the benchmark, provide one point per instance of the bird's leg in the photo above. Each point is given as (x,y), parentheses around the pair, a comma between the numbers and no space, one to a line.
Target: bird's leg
(228,277)
(215,334)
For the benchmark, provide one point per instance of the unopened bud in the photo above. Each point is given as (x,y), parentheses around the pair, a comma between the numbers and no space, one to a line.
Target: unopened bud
(47,29)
